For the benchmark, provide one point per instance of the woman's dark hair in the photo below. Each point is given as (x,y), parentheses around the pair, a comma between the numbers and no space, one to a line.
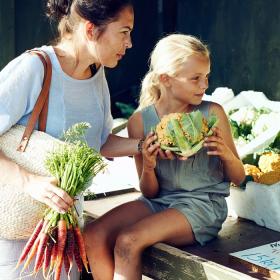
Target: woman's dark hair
(99,12)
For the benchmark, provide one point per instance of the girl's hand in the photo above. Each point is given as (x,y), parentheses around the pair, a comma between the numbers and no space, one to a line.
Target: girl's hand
(166,154)
(45,190)
(150,150)
(216,145)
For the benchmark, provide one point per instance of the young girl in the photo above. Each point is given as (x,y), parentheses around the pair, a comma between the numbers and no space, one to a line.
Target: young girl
(92,34)
(183,200)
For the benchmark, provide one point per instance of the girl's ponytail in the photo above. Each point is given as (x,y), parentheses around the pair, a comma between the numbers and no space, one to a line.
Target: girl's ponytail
(150,91)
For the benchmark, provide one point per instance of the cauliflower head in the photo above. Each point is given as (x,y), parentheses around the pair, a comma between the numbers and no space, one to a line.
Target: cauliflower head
(183,133)
(269,178)
(269,161)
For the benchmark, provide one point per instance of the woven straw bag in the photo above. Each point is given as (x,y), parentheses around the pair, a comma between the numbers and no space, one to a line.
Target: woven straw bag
(19,213)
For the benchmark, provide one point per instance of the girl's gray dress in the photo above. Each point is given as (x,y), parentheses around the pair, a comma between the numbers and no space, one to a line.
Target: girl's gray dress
(196,187)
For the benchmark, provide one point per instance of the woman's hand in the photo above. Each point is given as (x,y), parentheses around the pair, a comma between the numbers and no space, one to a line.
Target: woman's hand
(150,150)
(216,145)
(45,190)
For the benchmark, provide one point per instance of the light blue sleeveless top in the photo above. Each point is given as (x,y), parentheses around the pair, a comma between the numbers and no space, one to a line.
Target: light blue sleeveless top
(199,173)
(70,100)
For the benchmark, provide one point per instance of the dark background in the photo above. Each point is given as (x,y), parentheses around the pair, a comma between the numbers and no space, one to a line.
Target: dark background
(243,36)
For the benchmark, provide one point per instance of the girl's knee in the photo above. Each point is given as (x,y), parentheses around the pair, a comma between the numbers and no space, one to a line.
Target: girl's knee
(128,243)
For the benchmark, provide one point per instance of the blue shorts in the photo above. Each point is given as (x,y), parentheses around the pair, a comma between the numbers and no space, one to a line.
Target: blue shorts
(205,212)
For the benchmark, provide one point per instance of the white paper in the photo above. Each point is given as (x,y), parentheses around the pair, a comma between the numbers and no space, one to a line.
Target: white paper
(266,256)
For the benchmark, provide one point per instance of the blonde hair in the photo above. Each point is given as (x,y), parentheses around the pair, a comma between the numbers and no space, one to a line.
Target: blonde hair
(168,56)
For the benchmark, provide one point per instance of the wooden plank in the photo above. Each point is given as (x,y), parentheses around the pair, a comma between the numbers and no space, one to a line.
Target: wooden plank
(164,262)
(236,235)
(7,31)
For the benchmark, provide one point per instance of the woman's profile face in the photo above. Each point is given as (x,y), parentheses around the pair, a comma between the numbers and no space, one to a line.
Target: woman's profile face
(113,42)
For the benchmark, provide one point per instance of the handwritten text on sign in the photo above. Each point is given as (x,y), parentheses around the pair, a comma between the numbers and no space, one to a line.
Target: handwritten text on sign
(267,256)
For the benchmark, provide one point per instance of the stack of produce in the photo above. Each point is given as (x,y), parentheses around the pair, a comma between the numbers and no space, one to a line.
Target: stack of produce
(184,133)
(266,170)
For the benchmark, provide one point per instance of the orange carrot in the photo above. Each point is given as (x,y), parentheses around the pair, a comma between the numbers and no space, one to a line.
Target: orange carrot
(61,240)
(47,256)
(67,265)
(77,257)
(58,269)
(53,252)
(53,257)
(40,264)
(31,254)
(40,252)
(30,242)
(69,248)
(80,241)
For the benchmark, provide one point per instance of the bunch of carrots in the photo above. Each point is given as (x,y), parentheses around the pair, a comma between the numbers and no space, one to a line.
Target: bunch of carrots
(57,239)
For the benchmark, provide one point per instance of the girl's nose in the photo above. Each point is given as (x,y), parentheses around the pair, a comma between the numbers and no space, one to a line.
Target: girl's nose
(204,83)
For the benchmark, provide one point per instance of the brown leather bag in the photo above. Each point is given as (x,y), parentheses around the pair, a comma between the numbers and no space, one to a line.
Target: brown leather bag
(40,110)
(19,213)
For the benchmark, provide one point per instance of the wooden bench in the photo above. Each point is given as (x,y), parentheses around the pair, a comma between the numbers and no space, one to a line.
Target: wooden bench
(212,261)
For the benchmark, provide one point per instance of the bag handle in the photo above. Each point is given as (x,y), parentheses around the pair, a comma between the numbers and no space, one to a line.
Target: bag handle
(40,110)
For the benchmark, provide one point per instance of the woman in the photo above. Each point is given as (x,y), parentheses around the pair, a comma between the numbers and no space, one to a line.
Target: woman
(92,34)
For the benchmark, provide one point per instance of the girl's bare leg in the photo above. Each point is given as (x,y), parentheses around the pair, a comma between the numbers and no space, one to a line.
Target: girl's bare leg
(100,236)
(168,226)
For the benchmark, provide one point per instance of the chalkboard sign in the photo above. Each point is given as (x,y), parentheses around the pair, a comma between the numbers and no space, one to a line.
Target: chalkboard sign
(264,259)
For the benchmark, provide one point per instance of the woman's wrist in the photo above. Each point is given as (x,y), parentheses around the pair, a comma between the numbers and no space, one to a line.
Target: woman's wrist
(140,145)
(27,178)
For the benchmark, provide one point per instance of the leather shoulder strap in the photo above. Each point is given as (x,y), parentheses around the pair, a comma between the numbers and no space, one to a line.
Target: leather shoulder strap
(40,110)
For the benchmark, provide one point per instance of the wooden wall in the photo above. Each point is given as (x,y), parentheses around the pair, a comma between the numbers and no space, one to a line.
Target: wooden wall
(7,31)
(243,36)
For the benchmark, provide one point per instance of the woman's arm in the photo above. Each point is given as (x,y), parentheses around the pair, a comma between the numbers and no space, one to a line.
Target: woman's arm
(117,146)
(221,144)
(41,188)
(146,161)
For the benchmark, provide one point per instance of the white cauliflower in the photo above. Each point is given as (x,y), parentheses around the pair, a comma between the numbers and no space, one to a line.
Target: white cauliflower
(264,122)
(245,115)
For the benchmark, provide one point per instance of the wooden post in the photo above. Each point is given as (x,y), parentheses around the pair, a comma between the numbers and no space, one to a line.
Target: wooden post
(7,31)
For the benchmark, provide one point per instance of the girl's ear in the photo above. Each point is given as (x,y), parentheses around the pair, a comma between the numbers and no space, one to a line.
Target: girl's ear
(164,79)
(90,29)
